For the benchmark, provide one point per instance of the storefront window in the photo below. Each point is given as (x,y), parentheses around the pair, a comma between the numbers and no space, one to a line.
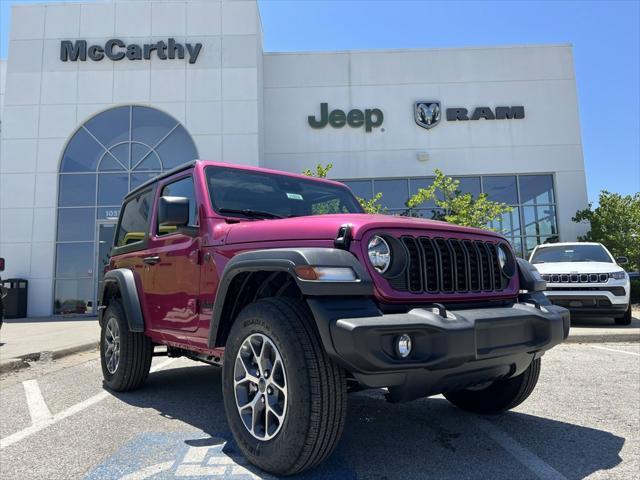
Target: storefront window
(111,154)
(501,189)
(531,222)
(394,194)
(470,185)
(536,189)
(361,188)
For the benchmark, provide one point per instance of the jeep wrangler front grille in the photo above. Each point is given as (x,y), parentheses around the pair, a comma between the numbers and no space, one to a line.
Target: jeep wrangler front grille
(449,265)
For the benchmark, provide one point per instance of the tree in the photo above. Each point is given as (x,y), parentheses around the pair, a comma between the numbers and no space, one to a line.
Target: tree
(457,207)
(369,206)
(320,171)
(372,206)
(615,223)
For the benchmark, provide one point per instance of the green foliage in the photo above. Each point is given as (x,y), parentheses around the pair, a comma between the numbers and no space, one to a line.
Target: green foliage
(369,206)
(635,291)
(616,224)
(320,171)
(457,207)
(372,206)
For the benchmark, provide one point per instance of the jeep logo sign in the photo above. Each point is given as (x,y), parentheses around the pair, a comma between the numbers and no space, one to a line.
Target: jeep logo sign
(115,49)
(370,118)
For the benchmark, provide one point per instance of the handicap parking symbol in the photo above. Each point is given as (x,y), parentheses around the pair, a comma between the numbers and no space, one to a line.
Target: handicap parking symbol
(190,455)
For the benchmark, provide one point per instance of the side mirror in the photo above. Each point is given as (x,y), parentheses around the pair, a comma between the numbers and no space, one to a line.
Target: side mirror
(173,211)
(1,264)
(622,260)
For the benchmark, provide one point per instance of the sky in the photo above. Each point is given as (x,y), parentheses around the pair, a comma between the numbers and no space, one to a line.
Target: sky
(605,36)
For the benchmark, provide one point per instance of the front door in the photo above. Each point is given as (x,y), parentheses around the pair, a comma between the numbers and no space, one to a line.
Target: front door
(172,300)
(105,234)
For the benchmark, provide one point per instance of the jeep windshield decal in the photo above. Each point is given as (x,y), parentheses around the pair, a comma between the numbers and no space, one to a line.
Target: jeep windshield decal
(254,194)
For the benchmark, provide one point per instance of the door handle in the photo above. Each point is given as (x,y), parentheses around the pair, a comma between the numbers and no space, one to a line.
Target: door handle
(151,260)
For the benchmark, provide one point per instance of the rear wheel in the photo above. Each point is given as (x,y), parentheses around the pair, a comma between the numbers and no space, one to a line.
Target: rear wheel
(284,397)
(125,356)
(626,318)
(500,395)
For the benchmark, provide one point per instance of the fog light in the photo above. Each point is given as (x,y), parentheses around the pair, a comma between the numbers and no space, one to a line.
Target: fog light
(403,345)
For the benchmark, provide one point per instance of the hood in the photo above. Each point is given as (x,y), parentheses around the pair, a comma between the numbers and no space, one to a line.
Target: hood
(325,227)
(576,267)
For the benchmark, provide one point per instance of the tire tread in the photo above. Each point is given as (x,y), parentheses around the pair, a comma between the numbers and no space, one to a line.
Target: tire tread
(136,356)
(325,380)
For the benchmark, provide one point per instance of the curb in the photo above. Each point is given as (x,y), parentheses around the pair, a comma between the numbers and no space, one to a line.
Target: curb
(604,338)
(24,361)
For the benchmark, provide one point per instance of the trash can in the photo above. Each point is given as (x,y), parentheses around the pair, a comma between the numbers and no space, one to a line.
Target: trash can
(15,303)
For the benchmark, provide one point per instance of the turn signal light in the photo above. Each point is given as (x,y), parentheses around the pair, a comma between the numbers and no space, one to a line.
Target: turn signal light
(326,274)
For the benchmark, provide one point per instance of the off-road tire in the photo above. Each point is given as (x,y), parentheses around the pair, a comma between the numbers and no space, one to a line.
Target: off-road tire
(625,319)
(315,415)
(136,353)
(501,395)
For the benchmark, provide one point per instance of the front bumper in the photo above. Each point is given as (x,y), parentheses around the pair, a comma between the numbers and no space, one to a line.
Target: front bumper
(597,300)
(450,351)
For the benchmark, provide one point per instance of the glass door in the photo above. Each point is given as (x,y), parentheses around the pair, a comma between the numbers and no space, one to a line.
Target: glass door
(106,232)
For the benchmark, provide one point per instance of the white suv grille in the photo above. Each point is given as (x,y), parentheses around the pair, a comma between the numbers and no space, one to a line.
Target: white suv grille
(577,278)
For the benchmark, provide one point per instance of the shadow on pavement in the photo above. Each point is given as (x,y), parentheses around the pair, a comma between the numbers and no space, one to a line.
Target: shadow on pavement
(427,438)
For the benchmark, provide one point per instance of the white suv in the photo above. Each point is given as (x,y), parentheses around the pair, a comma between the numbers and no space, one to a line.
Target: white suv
(585,278)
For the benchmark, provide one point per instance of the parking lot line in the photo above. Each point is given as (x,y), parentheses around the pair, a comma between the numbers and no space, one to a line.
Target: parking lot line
(77,408)
(527,458)
(616,350)
(38,409)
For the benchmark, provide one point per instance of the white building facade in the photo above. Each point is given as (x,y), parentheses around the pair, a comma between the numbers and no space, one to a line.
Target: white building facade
(99,97)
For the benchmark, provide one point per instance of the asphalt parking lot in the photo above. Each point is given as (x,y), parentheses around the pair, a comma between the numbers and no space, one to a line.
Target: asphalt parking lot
(582,421)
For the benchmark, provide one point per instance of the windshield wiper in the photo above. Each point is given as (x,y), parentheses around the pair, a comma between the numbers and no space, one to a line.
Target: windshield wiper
(250,213)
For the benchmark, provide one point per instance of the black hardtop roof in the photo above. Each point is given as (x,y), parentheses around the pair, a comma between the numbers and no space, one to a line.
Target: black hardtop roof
(168,173)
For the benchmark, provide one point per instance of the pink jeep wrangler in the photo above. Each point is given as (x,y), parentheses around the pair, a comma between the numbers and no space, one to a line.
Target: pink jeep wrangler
(299,296)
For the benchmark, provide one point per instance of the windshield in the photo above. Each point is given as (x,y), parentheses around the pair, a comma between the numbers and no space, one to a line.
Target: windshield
(253,194)
(571,253)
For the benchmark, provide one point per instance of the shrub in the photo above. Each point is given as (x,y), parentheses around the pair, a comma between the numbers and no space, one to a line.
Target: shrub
(635,291)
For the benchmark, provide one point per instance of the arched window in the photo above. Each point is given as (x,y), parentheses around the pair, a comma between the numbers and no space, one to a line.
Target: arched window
(112,153)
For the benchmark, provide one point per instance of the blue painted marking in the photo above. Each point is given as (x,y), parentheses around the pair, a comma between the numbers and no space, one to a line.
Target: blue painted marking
(195,455)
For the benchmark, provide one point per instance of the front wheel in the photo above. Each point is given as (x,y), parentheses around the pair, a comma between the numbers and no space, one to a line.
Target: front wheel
(626,318)
(285,399)
(499,396)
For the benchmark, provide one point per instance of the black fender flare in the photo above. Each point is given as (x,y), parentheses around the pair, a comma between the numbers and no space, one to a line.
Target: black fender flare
(126,282)
(286,260)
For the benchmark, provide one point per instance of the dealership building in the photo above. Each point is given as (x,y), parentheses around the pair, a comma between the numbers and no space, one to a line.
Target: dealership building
(99,97)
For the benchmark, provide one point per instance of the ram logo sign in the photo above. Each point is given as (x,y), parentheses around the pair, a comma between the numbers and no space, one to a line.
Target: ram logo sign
(427,113)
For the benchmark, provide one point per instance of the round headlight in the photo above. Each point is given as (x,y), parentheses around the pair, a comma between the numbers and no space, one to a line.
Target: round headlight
(502,257)
(379,254)
(505,260)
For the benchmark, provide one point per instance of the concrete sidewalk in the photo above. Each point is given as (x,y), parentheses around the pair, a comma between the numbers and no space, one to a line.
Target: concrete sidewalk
(31,339)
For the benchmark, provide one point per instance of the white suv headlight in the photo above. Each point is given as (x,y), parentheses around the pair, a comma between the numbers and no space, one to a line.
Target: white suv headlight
(618,275)
(379,253)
